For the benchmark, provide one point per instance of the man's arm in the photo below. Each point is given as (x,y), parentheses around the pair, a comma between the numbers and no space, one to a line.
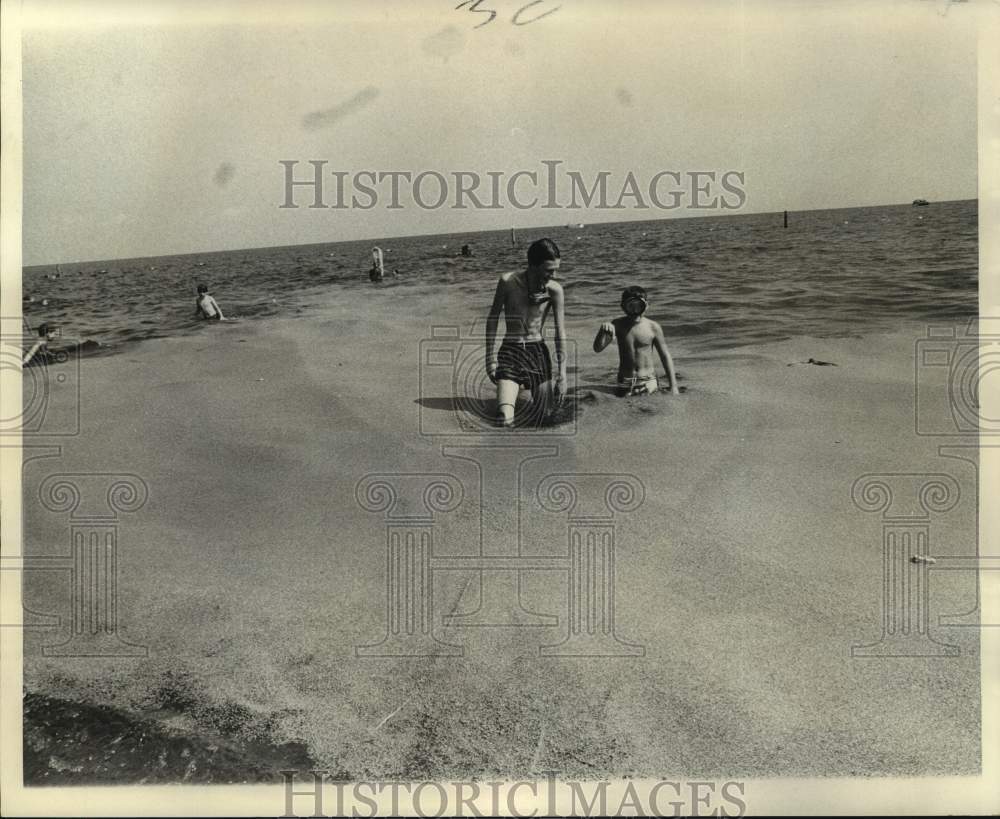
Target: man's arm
(491,329)
(557,300)
(668,363)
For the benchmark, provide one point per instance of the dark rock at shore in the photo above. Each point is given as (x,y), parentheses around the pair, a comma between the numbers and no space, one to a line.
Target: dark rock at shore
(71,743)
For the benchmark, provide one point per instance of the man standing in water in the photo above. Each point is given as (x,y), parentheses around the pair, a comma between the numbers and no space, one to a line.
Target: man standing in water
(523,360)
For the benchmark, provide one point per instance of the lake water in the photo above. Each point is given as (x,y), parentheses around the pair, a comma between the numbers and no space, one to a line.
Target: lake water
(715,282)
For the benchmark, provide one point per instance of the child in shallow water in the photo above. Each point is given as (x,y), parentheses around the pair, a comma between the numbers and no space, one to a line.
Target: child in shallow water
(39,352)
(207,307)
(637,338)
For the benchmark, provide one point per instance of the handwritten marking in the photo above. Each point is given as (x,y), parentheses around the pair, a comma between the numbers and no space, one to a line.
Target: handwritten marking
(473,6)
(521,10)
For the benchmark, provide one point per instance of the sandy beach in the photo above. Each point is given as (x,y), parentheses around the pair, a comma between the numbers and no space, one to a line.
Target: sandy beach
(252,572)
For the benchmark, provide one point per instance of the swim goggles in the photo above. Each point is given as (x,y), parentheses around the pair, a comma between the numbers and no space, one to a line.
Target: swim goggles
(634,305)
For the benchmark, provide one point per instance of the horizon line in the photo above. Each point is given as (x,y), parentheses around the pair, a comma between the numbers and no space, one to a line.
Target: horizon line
(714,215)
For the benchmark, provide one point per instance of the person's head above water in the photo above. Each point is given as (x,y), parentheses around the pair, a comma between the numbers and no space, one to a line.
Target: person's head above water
(634,301)
(202,289)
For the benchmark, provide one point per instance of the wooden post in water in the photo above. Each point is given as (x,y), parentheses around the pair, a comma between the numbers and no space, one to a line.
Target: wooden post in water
(786,218)
(513,237)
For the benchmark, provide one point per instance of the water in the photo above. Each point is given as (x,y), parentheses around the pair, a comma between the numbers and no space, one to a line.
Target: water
(716,282)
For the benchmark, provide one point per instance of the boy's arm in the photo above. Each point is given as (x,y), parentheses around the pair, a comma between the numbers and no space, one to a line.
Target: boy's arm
(668,363)
(218,309)
(491,329)
(558,303)
(605,335)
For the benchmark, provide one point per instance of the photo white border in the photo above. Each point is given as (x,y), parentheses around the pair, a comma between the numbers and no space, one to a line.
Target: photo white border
(780,796)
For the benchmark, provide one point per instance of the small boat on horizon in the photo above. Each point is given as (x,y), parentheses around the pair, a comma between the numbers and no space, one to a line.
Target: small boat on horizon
(918,203)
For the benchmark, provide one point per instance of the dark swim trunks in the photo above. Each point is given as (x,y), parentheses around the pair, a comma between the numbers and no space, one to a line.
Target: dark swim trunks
(528,363)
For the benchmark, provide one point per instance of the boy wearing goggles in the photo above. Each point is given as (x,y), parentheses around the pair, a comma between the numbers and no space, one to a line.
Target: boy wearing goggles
(637,338)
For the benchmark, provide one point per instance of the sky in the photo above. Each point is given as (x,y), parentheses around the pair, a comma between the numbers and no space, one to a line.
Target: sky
(161,129)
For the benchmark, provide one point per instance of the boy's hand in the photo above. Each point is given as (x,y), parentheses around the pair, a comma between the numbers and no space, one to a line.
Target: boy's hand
(604,336)
(491,371)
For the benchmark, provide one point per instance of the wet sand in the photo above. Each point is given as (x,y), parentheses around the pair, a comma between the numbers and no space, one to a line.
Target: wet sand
(252,573)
